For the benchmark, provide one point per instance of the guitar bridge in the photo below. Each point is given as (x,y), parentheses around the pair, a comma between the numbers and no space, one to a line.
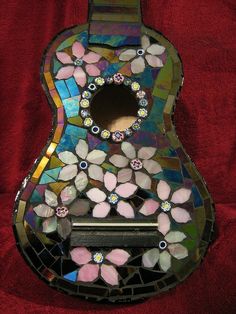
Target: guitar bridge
(114,233)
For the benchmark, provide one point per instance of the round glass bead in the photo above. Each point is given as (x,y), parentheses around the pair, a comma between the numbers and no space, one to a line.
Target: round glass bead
(95,129)
(166,206)
(113,198)
(162,245)
(105,134)
(135,86)
(92,87)
(143,102)
(109,80)
(99,81)
(142,113)
(88,122)
(136,164)
(86,94)
(135,126)
(84,113)
(61,212)
(78,62)
(127,82)
(118,78)
(98,258)
(128,132)
(118,136)
(83,165)
(140,52)
(140,94)
(84,103)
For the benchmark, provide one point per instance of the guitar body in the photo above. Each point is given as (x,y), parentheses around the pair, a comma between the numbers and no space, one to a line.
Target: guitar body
(113,214)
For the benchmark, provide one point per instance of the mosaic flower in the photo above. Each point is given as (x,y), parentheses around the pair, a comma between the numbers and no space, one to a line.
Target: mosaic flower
(135,162)
(149,53)
(93,264)
(114,197)
(56,209)
(170,246)
(73,65)
(87,162)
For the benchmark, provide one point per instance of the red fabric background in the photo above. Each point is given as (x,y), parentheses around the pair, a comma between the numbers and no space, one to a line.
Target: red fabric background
(203,31)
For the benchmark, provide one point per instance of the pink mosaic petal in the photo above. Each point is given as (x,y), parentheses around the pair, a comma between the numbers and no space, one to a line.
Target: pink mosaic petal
(92,70)
(81,255)
(143,180)
(119,161)
(181,196)
(125,209)
(149,207)
(65,72)
(138,65)
(68,194)
(163,190)
(88,273)
(180,215)
(110,181)
(163,223)
(128,149)
(152,166)
(124,175)
(145,42)
(109,274)
(154,61)
(118,257)
(96,195)
(178,251)
(80,76)
(101,210)
(78,49)
(91,57)
(146,152)
(127,55)
(64,58)
(126,189)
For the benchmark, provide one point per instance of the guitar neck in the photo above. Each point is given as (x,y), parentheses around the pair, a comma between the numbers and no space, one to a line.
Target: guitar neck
(115,23)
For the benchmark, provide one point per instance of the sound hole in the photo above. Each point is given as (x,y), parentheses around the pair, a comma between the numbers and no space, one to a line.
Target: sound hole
(114,108)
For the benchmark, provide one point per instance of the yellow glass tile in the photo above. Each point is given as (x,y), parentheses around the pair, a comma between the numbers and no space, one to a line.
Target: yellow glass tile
(20,211)
(56,98)
(76,121)
(115,17)
(58,132)
(40,169)
(55,162)
(51,149)
(57,187)
(48,78)
(23,240)
(117,2)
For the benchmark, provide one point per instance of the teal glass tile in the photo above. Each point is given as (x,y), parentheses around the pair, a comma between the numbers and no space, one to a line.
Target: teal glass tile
(71,106)
(72,87)
(62,89)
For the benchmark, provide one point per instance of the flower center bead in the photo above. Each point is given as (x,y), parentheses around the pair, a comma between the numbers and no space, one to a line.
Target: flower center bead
(136,164)
(98,258)
(162,245)
(165,206)
(113,198)
(78,62)
(140,52)
(62,212)
(83,165)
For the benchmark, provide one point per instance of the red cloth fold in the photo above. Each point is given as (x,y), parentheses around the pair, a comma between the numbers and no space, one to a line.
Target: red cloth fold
(204,34)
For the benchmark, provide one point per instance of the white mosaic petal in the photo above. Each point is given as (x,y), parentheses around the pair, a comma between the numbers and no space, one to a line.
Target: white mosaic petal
(124,175)
(150,258)
(127,55)
(95,172)
(175,237)
(96,157)
(96,195)
(146,152)
(119,161)
(143,180)
(68,172)
(128,149)
(68,158)
(178,251)
(82,149)
(110,181)
(68,194)
(43,210)
(138,65)
(156,49)
(81,181)
(152,166)
(181,196)
(51,198)
(145,42)
(50,225)
(165,261)
(154,61)
(126,189)
(64,227)
(163,190)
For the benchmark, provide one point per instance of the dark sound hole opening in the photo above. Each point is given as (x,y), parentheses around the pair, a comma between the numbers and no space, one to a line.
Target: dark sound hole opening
(114,108)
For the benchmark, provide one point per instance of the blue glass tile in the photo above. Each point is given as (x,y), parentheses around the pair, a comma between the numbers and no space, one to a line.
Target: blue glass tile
(62,89)
(83,38)
(46,179)
(65,144)
(103,146)
(173,176)
(54,173)
(71,276)
(113,68)
(185,172)
(76,131)
(71,106)
(36,197)
(72,86)
(197,200)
